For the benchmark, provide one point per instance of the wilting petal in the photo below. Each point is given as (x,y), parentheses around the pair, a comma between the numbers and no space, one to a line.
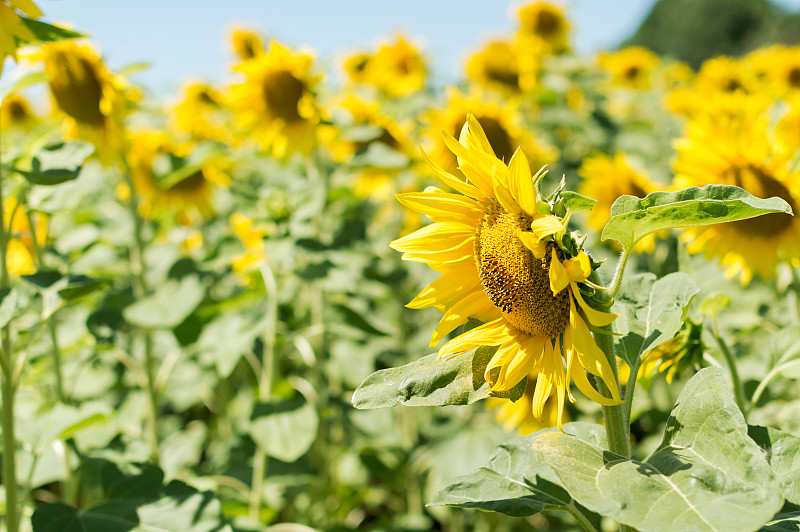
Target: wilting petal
(596,317)
(579,268)
(559,278)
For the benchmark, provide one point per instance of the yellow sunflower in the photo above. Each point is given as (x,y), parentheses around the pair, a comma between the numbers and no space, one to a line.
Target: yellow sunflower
(167,180)
(252,237)
(605,179)
(500,121)
(246,44)
(12,28)
(675,356)
(630,67)
(21,256)
(735,148)
(545,22)
(276,102)
(720,78)
(398,68)
(508,265)
(356,66)
(518,415)
(16,112)
(87,93)
(504,66)
(201,113)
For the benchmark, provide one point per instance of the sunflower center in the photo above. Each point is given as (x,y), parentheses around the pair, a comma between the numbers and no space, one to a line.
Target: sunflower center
(17,112)
(282,92)
(632,73)
(76,88)
(547,23)
(503,75)
(518,283)
(759,182)
(793,78)
(194,182)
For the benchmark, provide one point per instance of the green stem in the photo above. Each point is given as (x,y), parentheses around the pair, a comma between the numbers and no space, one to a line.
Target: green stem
(738,387)
(630,389)
(580,518)
(617,281)
(265,379)
(140,290)
(794,297)
(8,390)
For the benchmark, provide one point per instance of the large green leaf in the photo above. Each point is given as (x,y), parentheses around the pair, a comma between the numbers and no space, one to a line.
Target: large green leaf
(651,312)
(57,163)
(784,522)
(515,482)
(431,381)
(44,32)
(172,302)
(706,475)
(633,218)
(783,454)
(286,429)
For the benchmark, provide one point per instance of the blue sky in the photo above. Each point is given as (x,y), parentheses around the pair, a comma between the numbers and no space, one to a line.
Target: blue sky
(187,39)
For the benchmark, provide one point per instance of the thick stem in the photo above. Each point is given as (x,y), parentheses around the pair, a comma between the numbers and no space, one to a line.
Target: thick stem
(617,281)
(265,379)
(738,387)
(580,518)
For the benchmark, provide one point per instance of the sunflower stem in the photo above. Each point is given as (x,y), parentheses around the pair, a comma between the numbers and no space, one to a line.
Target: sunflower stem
(265,380)
(617,281)
(738,387)
(580,518)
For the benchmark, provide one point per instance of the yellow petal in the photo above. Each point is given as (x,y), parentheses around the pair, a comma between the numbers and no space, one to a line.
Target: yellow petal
(493,333)
(475,304)
(596,317)
(520,182)
(528,354)
(443,207)
(476,134)
(559,278)
(448,286)
(544,225)
(579,268)
(452,181)
(469,162)
(589,356)
(536,246)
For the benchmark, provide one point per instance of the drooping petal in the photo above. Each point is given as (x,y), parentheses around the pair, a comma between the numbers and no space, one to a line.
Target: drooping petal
(589,356)
(559,278)
(537,247)
(493,333)
(475,304)
(448,286)
(544,225)
(579,268)
(596,317)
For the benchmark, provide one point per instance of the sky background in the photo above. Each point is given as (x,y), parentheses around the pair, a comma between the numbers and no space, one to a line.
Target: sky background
(187,39)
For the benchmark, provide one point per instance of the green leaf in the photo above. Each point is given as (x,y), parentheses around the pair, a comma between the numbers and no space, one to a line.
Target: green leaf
(573,201)
(60,423)
(429,381)
(79,285)
(8,305)
(285,430)
(651,312)
(707,473)
(711,305)
(45,32)
(783,453)
(168,306)
(28,80)
(379,155)
(783,522)
(358,321)
(57,163)
(633,218)
(43,278)
(514,481)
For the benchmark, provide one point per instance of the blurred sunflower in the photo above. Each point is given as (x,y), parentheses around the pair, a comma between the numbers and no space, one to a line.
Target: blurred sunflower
(397,69)
(246,44)
(506,265)
(499,121)
(167,180)
(605,179)
(545,22)
(735,148)
(629,67)
(252,237)
(518,415)
(83,89)
(677,355)
(719,78)
(16,112)
(201,114)
(356,66)
(504,66)
(276,101)
(22,242)
(13,29)
(782,66)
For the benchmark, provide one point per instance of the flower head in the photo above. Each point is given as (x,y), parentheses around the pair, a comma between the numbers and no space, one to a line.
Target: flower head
(506,260)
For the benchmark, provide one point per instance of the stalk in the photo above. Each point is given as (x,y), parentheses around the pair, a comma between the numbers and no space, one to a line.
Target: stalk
(8,390)
(738,387)
(137,268)
(265,379)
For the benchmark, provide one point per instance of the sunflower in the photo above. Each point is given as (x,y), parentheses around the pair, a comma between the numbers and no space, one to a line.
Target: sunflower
(201,113)
(13,29)
(545,22)
(505,263)
(719,78)
(677,355)
(607,178)
(276,101)
(16,112)
(246,44)
(356,66)
(22,242)
(398,68)
(734,147)
(92,99)
(630,67)
(168,180)
(500,121)
(252,236)
(505,66)
(519,414)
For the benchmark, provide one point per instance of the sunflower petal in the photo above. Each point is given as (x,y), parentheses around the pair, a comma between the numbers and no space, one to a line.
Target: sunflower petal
(559,278)
(493,333)
(452,181)
(520,182)
(596,317)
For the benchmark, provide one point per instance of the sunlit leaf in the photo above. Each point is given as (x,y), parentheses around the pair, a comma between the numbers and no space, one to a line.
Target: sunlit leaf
(783,453)
(57,163)
(633,218)
(171,303)
(285,430)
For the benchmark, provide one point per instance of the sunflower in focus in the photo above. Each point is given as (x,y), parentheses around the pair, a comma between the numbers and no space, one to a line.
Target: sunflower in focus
(503,66)
(246,44)
(630,67)
(201,113)
(508,264)
(12,27)
(518,415)
(607,178)
(500,123)
(17,113)
(275,102)
(545,22)
(92,99)
(23,241)
(735,148)
(168,179)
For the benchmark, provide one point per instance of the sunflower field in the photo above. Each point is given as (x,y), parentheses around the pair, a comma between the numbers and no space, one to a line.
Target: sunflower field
(561,293)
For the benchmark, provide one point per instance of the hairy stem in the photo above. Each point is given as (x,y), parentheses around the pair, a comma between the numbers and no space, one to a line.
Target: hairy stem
(738,387)
(617,281)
